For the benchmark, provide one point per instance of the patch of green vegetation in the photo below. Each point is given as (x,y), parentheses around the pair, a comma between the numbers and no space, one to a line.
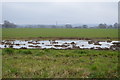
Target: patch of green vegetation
(50,63)
(9,51)
(25,33)
(25,52)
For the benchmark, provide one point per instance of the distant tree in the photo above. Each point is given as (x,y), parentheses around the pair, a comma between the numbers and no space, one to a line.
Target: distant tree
(119,25)
(68,26)
(110,26)
(41,26)
(116,25)
(7,24)
(53,26)
(85,26)
(102,26)
(0,25)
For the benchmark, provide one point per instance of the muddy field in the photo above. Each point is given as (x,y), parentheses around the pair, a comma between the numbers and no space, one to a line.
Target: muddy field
(61,44)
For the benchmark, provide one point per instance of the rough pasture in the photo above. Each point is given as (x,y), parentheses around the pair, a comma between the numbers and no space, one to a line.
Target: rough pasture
(51,63)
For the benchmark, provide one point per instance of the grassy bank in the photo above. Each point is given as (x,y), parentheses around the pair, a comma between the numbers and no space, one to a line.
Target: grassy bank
(59,63)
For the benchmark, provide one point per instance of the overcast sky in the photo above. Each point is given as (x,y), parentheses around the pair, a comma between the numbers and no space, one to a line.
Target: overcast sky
(62,12)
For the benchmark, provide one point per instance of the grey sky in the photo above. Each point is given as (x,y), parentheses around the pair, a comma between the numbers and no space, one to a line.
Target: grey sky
(63,12)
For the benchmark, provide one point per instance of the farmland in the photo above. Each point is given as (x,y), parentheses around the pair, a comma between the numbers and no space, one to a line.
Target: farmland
(60,39)
(32,33)
(50,63)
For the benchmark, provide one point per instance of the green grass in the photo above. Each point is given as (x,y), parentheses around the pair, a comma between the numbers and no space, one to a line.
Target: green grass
(0,64)
(18,33)
(51,63)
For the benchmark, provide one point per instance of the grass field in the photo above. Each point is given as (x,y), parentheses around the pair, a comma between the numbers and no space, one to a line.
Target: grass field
(51,63)
(26,33)
(59,64)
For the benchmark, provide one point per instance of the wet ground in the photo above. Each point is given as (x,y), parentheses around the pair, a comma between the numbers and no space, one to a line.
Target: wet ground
(60,44)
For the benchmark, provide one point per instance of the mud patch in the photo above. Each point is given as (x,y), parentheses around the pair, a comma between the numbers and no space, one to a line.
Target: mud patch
(60,44)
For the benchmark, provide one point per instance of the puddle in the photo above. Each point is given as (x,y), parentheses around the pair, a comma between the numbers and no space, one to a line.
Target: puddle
(60,44)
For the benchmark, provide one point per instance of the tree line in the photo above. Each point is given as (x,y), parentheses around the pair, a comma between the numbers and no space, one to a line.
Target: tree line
(8,24)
